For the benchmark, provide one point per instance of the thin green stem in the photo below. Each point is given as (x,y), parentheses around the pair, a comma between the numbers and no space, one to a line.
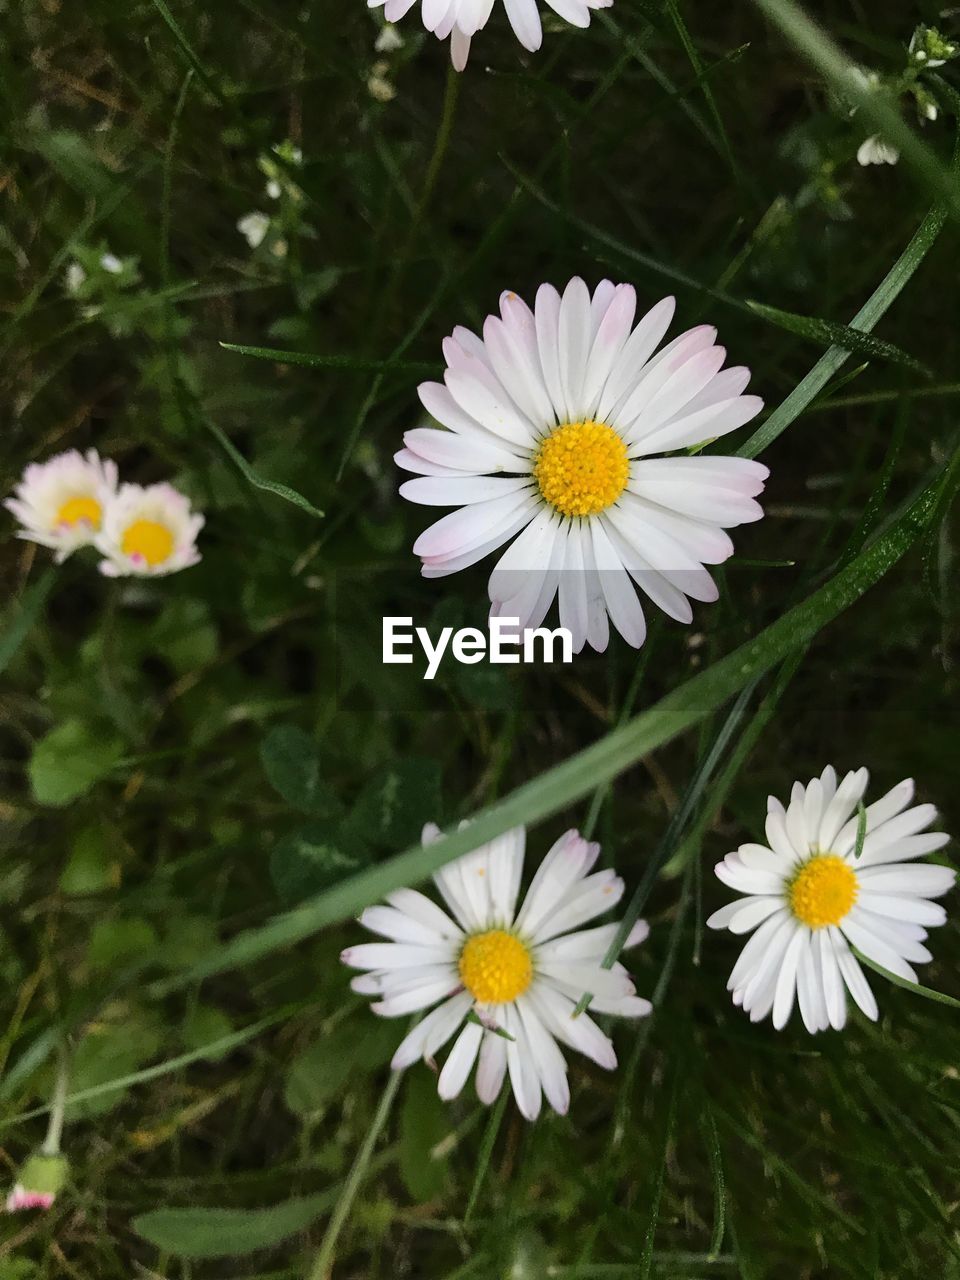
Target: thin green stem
(58,1103)
(323,1261)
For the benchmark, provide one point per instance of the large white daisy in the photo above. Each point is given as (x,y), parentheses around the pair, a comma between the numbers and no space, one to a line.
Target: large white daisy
(61,503)
(148,532)
(551,423)
(808,897)
(508,980)
(462,19)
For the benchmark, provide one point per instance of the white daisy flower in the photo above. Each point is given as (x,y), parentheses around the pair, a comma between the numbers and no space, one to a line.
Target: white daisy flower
(809,897)
(148,532)
(60,503)
(875,151)
(462,19)
(519,973)
(552,420)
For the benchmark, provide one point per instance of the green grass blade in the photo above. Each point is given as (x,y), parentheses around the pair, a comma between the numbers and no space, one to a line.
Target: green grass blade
(312,360)
(187,50)
(31,603)
(566,783)
(926,992)
(827,333)
(325,1254)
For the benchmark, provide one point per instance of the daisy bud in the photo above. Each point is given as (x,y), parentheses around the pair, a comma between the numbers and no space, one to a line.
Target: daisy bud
(38,1183)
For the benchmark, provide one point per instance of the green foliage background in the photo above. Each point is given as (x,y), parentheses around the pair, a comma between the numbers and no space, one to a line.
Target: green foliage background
(184,759)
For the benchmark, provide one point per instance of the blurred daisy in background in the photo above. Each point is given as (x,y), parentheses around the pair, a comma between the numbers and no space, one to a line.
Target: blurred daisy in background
(808,896)
(148,532)
(507,981)
(552,420)
(61,503)
(462,19)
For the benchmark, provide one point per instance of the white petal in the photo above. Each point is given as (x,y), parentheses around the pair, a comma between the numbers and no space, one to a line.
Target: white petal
(433,1031)
(460,1061)
(492,1067)
(547,1058)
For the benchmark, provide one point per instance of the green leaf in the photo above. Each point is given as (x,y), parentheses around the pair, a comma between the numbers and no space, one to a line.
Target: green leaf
(25,614)
(291,761)
(318,1074)
(184,635)
(314,361)
(393,807)
(566,783)
(92,866)
(424,1122)
(69,760)
(926,992)
(184,939)
(116,942)
(106,1052)
(827,333)
(203,1030)
(224,1233)
(311,860)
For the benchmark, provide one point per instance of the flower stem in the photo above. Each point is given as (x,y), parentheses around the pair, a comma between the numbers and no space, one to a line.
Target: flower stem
(58,1101)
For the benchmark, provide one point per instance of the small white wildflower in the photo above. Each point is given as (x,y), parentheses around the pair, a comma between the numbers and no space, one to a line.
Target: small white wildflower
(378,86)
(875,151)
(110,262)
(273,189)
(254,227)
(389,39)
(75,278)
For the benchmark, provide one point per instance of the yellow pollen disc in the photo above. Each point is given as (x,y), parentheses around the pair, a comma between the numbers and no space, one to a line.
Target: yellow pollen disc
(823,891)
(76,509)
(582,468)
(149,540)
(495,967)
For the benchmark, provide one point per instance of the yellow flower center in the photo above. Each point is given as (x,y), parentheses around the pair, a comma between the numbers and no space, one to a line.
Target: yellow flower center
(582,468)
(823,891)
(76,509)
(149,540)
(495,967)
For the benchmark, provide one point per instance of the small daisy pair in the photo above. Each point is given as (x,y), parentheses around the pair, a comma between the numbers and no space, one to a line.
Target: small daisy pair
(508,983)
(75,500)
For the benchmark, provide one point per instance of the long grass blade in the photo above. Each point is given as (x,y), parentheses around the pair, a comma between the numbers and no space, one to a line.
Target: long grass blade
(568,782)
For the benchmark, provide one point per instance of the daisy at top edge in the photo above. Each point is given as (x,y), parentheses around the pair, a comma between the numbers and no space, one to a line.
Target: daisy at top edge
(460,20)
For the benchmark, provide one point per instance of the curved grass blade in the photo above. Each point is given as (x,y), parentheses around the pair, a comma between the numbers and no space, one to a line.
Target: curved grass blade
(827,333)
(566,783)
(312,360)
(31,603)
(254,478)
(927,992)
